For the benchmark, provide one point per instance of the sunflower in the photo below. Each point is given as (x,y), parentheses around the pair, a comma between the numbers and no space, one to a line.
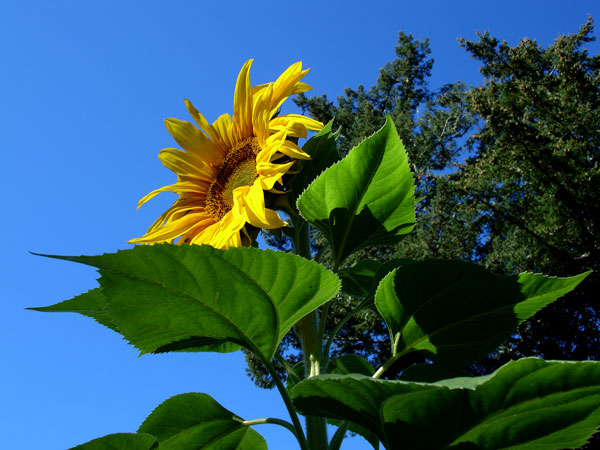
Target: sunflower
(225,169)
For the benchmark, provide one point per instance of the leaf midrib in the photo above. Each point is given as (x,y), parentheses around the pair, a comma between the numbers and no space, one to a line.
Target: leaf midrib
(355,208)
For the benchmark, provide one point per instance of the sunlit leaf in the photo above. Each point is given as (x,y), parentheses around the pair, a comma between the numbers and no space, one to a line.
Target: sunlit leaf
(196,421)
(366,199)
(170,298)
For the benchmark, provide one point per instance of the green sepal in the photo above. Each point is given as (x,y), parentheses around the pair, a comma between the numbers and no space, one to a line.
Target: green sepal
(193,421)
(365,199)
(457,312)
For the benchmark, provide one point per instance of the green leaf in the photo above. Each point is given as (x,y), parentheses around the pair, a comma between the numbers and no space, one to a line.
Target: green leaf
(525,404)
(121,441)
(323,152)
(347,364)
(357,280)
(90,304)
(353,397)
(361,279)
(430,373)
(196,421)
(457,312)
(366,199)
(197,298)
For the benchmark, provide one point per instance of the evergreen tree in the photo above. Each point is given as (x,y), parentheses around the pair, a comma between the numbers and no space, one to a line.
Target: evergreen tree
(525,199)
(530,191)
(431,125)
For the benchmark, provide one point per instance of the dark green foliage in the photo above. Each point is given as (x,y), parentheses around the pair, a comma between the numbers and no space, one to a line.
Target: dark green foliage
(525,404)
(430,125)
(457,312)
(526,198)
(530,190)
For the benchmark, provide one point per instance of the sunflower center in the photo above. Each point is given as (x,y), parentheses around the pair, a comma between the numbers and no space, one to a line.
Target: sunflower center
(238,169)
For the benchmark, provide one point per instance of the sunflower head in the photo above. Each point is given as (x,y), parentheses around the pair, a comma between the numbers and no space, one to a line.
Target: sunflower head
(225,169)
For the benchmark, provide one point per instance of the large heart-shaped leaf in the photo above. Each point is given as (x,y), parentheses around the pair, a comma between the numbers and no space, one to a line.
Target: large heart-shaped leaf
(366,199)
(195,421)
(457,312)
(525,404)
(168,298)
(121,441)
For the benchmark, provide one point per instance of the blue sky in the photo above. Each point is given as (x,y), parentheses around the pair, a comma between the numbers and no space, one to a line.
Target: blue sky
(85,89)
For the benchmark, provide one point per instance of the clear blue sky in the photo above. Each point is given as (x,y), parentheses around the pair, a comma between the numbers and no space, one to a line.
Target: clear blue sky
(85,87)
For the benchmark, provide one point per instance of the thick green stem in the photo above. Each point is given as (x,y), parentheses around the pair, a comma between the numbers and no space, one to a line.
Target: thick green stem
(308,331)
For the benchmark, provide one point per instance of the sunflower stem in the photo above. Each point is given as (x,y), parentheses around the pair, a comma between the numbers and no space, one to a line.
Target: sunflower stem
(308,331)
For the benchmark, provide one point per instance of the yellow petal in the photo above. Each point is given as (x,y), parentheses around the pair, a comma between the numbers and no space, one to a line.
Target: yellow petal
(203,123)
(269,174)
(173,229)
(290,149)
(177,188)
(221,234)
(193,140)
(186,164)
(242,104)
(295,124)
(252,199)
(286,84)
(224,130)
(177,210)
(261,115)
(301,87)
